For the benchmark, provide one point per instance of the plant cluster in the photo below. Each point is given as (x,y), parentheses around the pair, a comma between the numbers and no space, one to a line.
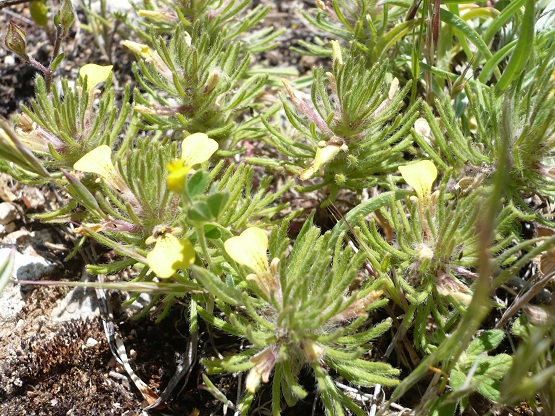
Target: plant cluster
(435,120)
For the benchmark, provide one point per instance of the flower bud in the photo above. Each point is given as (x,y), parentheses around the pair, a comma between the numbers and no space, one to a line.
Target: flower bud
(16,41)
(66,15)
(213,81)
(264,363)
(336,56)
(393,88)
(423,129)
(149,56)
(312,350)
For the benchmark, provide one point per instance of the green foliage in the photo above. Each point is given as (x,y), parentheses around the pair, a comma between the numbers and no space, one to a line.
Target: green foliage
(353,136)
(308,319)
(371,28)
(459,98)
(197,83)
(531,374)
(476,370)
(63,125)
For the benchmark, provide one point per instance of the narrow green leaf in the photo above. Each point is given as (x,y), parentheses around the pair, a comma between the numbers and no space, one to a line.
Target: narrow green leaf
(214,285)
(361,210)
(492,63)
(57,61)
(522,51)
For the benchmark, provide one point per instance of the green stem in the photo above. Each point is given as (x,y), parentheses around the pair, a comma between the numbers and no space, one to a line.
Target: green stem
(203,245)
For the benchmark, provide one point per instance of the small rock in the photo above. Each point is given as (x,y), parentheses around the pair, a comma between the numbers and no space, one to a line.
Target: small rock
(33,198)
(91,342)
(7,228)
(11,298)
(18,237)
(11,303)
(7,185)
(31,266)
(80,302)
(8,213)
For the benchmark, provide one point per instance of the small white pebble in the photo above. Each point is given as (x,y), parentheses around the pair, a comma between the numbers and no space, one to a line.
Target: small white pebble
(8,213)
(91,342)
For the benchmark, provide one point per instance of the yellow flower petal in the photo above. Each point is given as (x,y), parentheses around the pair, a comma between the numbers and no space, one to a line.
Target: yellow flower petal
(99,161)
(139,48)
(176,178)
(421,176)
(95,75)
(323,156)
(157,14)
(170,254)
(197,148)
(249,249)
(253,380)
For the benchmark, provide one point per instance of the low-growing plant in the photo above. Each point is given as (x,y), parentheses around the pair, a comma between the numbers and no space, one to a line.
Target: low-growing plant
(301,310)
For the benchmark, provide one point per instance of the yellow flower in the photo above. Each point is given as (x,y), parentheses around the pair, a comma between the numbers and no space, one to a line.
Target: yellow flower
(139,48)
(196,148)
(95,74)
(150,56)
(250,249)
(170,254)
(324,155)
(176,177)
(420,176)
(99,161)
